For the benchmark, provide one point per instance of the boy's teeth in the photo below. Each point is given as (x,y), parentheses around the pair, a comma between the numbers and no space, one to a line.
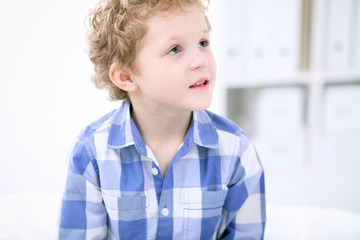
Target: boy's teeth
(199,83)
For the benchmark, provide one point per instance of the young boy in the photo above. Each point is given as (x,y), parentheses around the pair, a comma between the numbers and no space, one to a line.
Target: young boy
(159,167)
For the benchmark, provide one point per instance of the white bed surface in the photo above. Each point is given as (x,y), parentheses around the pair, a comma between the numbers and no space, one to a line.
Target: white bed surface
(33,216)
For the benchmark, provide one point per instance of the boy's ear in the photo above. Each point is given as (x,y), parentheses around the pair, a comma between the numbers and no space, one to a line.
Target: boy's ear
(121,78)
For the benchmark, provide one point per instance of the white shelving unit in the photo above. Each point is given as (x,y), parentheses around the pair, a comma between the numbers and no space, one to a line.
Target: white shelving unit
(293,83)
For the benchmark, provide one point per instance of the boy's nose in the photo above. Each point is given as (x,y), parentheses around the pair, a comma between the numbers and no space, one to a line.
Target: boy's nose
(199,60)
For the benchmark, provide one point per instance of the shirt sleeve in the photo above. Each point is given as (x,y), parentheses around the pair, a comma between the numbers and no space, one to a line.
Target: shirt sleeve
(244,207)
(82,214)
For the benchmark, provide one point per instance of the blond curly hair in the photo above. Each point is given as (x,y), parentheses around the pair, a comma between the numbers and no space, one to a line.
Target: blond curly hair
(115,30)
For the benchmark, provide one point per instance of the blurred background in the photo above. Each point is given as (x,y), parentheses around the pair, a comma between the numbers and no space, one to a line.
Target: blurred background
(288,74)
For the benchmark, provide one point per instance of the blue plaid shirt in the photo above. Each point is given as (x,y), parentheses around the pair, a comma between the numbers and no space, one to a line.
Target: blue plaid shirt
(213,189)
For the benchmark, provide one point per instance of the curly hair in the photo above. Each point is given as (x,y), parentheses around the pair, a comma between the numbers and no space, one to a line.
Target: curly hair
(115,30)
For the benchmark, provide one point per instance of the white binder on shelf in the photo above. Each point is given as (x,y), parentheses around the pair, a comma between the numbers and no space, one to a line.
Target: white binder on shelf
(340,150)
(272,36)
(341,109)
(257,36)
(357,36)
(285,35)
(280,110)
(231,37)
(339,32)
(279,117)
(340,143)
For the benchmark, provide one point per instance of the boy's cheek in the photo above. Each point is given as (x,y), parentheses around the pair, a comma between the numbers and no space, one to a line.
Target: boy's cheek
(214,69)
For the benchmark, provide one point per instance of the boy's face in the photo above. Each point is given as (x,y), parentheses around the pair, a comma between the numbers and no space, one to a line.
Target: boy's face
(175,65)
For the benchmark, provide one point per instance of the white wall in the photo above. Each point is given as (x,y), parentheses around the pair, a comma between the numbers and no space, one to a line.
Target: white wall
(46,96)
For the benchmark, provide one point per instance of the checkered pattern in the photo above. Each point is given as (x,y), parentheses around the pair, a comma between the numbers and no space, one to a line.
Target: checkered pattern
(213,189)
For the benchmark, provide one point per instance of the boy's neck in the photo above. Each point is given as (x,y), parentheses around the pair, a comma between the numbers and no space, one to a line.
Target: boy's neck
(157,126)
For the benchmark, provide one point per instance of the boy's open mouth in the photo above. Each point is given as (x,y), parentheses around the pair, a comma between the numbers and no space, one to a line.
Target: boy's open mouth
(199,84)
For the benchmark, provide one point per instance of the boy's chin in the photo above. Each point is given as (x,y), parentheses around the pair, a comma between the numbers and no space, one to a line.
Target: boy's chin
(202,106)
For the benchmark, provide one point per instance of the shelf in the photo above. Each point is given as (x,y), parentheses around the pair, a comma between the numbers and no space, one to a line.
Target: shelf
(268,80)
(342,76)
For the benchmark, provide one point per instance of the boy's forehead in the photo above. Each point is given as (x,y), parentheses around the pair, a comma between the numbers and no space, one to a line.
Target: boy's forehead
(177,17)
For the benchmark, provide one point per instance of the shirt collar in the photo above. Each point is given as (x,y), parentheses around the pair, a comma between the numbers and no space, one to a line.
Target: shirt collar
(204,131)
(123,131)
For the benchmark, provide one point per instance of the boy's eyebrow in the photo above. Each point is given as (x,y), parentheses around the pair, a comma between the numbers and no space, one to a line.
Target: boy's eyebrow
(174,37)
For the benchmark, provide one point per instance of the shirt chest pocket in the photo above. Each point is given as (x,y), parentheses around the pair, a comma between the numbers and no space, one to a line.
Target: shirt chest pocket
(202,212)
(127,215)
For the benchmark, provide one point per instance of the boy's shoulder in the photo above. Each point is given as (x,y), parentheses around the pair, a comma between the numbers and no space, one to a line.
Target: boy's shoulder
(224,124)
(230,137)
(101,124)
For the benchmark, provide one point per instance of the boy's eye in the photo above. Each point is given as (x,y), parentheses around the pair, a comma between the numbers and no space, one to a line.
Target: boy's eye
(203,43)
(174,50)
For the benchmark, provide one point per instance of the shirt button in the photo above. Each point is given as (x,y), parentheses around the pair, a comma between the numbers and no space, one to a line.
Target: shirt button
(155,171)
(165,211)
